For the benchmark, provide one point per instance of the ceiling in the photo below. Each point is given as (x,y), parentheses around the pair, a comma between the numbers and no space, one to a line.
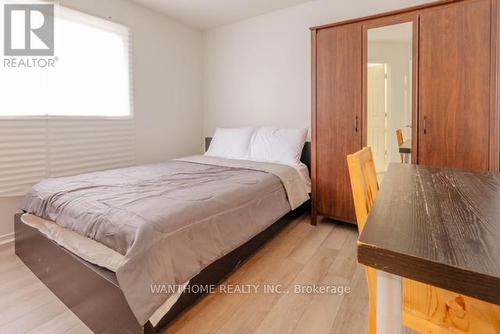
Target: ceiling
(206,14)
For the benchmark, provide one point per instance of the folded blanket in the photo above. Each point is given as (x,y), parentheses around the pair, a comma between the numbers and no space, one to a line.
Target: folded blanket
(296,186)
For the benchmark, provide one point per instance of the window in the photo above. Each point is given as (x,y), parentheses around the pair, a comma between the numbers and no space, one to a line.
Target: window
(90,76)
(73,118)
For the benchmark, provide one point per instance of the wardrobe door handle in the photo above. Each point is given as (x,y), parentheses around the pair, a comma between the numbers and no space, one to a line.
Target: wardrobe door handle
(425,125)
(356,124)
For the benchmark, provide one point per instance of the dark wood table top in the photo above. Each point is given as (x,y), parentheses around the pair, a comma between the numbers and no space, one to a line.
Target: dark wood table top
(405,147)
(437,226)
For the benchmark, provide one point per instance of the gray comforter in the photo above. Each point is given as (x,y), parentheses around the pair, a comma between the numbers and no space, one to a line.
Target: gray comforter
(169,220)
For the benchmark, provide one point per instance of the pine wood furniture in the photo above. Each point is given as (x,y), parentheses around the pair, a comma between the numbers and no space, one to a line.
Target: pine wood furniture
(438,228)
(400,137)
(364,183)
(365,187)
(456,84)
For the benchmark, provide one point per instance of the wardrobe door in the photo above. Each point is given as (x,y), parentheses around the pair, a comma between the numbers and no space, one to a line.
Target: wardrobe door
(338,117)
(454,93)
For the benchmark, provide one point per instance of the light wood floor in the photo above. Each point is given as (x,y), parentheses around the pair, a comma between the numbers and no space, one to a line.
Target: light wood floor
(300,255)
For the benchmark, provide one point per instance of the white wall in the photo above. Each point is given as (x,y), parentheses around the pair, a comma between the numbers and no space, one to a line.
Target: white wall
(167,85)
(257,71)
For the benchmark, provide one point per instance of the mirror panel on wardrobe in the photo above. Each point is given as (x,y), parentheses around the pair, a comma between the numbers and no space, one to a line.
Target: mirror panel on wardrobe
(389,93)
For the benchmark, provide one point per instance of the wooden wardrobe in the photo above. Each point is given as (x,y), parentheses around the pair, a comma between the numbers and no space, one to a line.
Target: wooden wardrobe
(455,107)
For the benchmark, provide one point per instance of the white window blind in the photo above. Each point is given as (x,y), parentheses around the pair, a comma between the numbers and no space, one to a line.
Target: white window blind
(31,150)
(74,118)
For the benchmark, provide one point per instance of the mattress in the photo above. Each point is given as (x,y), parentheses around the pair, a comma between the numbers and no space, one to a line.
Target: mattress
(163,223)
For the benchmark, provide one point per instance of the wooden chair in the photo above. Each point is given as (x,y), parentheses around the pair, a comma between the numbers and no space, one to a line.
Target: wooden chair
(401,140)
(364,184)
(426,309)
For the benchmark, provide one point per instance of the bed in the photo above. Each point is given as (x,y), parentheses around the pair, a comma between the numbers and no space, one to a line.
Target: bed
(100,297)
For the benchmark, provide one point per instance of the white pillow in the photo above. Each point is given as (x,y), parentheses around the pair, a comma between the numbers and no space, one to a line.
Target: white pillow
(284,146)
(231,143)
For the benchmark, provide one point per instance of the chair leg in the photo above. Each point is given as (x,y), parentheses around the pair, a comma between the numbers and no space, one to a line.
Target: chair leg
(372,320)
(371,275)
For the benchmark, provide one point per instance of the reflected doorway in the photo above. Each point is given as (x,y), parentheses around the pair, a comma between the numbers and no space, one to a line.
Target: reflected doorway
(389,91)
(378,114)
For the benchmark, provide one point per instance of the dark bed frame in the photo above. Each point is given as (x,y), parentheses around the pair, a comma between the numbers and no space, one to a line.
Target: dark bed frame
(93,293)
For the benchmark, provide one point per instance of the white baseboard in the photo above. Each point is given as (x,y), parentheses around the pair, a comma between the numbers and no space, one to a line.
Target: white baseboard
(6,239)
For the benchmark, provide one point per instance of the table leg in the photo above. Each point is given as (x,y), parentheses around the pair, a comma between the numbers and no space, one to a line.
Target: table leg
(389,303)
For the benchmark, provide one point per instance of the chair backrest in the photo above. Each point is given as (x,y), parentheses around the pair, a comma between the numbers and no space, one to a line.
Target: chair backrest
(364,183)
(400,136)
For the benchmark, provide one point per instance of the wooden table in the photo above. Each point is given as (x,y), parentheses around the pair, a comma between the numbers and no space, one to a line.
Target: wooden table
(437,226)
(405,148)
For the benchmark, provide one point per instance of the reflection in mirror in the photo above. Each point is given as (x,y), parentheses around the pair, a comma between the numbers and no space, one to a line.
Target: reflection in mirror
(389,93)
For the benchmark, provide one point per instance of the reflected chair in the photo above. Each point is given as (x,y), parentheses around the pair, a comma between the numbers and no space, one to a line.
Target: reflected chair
(426,309)
(401,140)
